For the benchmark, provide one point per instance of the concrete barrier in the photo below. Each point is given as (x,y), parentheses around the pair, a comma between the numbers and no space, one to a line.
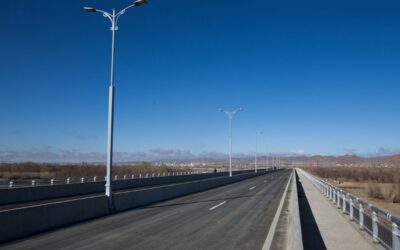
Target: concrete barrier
(295,239)
(28,194)
(18,223)
(22,222)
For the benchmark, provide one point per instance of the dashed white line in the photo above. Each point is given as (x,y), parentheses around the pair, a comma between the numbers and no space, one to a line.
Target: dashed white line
(253,187)
(220,204)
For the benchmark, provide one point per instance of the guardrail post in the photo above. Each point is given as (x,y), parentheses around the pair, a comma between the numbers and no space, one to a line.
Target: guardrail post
(52,182)
(395,236)
(334,195)
(82,179)
(147,175)
(133,176)
(361,216)
(158,175)
(94,178)
(163,174)
(33,183)
(375,220)
(330,192)
(68,180)
(351,208)
(124,176)
(344,202)
(11,184)
(140,176)
(338,199)
(116,177)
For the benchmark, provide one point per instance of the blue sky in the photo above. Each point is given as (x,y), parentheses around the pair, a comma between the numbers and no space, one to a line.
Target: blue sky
(319,77)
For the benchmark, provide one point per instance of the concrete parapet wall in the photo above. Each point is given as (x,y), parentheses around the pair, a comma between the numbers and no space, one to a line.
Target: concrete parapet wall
(295,239)
(18,223)
(28,194)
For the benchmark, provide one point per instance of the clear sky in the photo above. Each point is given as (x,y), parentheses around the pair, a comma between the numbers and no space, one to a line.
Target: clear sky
(319,77)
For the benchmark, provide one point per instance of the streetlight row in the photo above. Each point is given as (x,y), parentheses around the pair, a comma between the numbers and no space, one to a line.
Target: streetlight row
(230,115)
(114,17)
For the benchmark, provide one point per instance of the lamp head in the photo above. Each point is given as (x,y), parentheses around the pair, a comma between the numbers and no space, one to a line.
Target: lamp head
(89,9)
(139,3)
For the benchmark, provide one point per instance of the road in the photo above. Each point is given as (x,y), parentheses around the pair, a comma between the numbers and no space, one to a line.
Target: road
(236,216)
(96,194)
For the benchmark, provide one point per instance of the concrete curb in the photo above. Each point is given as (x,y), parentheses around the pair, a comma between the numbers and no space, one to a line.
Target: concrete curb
(295,239)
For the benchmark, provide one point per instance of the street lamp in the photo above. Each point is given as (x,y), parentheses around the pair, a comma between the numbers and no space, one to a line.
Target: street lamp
(255,154)
(113,17)
(230,115)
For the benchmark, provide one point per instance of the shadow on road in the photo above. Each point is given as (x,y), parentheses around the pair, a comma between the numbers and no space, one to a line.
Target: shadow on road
(311,236)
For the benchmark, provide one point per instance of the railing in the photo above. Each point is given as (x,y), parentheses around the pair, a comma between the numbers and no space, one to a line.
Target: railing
(70,180)
(380,224)
(83,179)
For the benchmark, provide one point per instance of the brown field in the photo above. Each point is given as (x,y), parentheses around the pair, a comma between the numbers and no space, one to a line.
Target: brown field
(379,186)
(30,170)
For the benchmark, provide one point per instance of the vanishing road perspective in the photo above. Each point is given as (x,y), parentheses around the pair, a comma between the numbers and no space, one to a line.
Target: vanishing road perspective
(158,125)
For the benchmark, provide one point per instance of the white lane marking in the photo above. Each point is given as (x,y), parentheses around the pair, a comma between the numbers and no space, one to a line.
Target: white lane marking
(271,232)
(220,204)
(253,187)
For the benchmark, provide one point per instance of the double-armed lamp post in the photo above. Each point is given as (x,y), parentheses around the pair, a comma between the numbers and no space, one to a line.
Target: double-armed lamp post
(255,154)
(113,17)
(230,115)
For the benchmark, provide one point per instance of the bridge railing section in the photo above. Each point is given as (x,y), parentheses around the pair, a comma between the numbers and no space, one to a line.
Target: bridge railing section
(379,223)
(17,183)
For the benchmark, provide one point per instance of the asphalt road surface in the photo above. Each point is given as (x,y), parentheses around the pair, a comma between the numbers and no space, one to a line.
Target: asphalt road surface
(96,194)
(236,216)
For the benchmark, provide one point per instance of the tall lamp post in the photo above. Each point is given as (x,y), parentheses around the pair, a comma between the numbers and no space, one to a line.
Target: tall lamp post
(255,154)
(113,17)
(230,115)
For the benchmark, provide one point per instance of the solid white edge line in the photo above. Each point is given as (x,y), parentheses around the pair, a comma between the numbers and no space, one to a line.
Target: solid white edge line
(220,204)
(253,187)
(271,232)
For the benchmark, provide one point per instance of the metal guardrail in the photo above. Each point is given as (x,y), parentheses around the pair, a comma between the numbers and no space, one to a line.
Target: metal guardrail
(70,180)
(379,223)
(50,182)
